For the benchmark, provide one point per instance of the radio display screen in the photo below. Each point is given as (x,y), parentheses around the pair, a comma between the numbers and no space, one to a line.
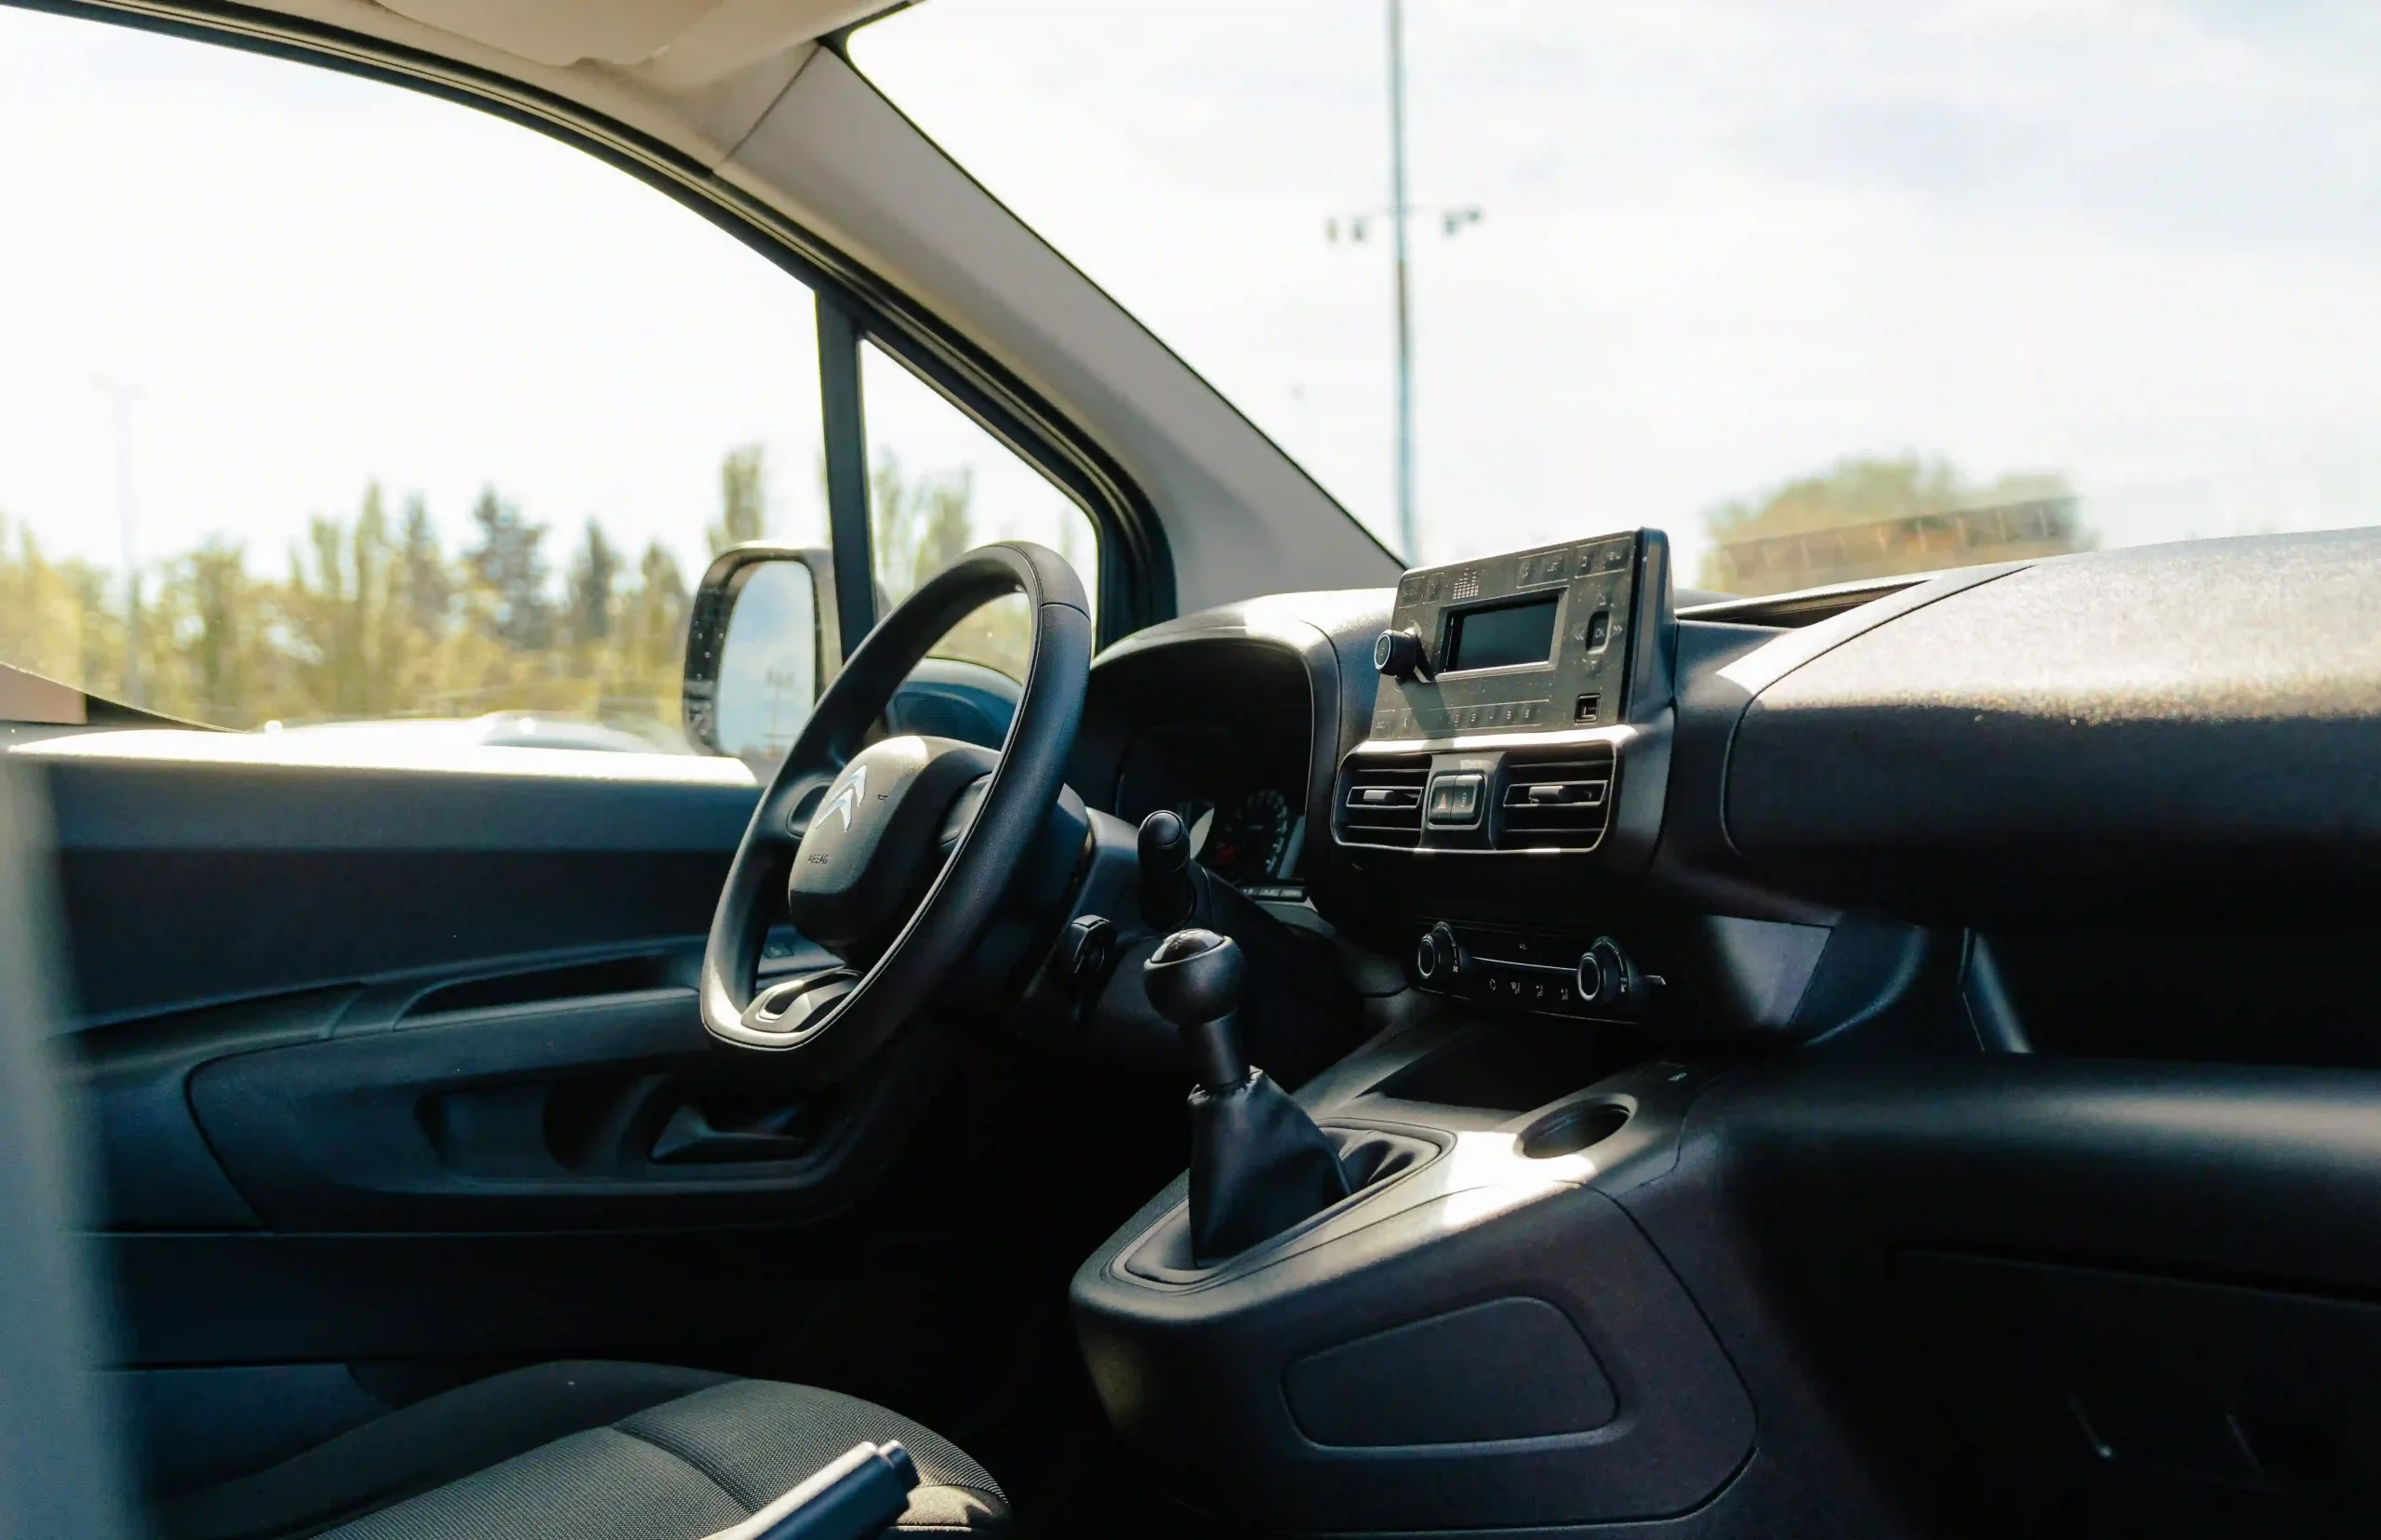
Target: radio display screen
(1502,635)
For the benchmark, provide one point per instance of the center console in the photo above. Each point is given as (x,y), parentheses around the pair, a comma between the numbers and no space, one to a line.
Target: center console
(1478,1337)
(1517,758)
(1468,1332)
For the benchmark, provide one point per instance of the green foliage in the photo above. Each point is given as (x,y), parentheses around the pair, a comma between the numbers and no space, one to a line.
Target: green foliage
(743,503)
(373,620)
(919,526)
(511,572)
(1866,516)
(593,573)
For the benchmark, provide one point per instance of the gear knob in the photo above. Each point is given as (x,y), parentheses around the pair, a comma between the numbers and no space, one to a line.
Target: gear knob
(1258,1163)
(1193,980)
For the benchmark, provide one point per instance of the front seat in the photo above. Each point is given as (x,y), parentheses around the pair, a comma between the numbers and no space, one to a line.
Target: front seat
(588,1450)
(582,1450)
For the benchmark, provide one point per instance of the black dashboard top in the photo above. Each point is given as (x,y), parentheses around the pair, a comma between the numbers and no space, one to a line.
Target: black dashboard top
(2197,724)
(2186,723)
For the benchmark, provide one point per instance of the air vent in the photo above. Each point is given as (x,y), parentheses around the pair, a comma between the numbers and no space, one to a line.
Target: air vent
(1559,803)
(1381,801)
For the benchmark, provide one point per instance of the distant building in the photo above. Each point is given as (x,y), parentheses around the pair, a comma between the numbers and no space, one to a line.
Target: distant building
(1885,548)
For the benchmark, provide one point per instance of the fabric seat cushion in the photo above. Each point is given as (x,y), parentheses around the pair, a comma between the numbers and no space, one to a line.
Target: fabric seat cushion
(587,1451)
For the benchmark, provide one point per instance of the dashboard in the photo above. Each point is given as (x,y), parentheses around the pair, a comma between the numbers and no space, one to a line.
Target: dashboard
(1763,804)
(2065,869)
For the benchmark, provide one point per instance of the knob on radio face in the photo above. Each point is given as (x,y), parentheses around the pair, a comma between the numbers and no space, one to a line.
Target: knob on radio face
(1398,654)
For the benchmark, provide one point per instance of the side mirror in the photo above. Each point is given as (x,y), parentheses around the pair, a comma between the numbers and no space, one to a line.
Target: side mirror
(762,642)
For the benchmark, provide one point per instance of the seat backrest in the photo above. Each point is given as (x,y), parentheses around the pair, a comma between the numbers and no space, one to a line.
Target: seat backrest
(61,1471)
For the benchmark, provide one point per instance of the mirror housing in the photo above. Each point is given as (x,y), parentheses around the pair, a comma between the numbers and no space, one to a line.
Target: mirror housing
(712,615)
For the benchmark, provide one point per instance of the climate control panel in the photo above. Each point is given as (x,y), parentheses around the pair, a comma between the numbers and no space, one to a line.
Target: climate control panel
(1590,978)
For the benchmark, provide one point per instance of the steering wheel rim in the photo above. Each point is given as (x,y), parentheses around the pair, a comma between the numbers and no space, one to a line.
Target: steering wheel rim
(851,1017)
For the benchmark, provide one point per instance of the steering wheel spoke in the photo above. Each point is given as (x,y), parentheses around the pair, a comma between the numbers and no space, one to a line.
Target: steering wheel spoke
(792,803)
(790,1006)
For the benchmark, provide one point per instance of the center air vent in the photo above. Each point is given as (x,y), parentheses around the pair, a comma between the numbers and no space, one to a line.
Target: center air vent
(1381,801)
(1563,805)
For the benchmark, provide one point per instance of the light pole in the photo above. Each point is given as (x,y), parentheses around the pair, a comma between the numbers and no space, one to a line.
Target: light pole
(121,396)
(1398,212)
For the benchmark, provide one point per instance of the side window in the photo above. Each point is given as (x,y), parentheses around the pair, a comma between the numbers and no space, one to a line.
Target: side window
(939,486)
(332,405)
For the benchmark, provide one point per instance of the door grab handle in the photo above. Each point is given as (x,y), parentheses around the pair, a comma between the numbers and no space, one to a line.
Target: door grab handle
(690,1138)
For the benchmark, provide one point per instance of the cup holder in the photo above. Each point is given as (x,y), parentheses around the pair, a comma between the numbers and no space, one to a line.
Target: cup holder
(1573,1129)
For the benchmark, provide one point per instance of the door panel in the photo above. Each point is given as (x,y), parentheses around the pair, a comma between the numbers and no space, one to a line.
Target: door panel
(187,884)
(401,1069)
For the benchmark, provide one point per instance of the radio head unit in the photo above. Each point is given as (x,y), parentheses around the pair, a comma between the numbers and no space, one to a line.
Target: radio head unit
(1524,705)
(1557,637)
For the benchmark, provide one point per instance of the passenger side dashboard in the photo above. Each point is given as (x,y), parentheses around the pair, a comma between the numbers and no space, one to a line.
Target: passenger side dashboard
(2011,927)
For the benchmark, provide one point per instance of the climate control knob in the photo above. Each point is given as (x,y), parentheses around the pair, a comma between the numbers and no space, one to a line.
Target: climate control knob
(1608,980)
(1439,958)
(1398,654)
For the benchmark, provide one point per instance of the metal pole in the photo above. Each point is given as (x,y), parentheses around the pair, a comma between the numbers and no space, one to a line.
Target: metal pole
(1407,535)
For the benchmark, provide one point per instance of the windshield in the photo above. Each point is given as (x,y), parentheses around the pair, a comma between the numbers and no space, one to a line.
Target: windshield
(1827,290)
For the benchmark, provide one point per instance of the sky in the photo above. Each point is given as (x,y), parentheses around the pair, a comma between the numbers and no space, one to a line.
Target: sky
(308,281)
(1720,245)
(312,280)
(1723,244)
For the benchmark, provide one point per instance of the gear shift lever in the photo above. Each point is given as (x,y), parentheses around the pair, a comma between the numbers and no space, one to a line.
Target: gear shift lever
(1168,896)
(1258,1163)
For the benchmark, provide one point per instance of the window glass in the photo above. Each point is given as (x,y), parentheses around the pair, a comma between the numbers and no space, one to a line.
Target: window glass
(940,485)
(323,401)
(1825,288)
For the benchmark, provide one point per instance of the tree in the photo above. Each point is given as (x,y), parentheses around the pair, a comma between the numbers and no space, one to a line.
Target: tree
(42,623)
(510,572)
(223,661)
(593,573)
(656,632)
(921,526)
(743,500)
(647,652)
(428,588)
(918,526)
(1871,517)
(373,618)
(333,608)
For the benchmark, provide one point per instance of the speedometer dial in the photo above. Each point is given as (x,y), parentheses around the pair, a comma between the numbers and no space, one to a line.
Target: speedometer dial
(1250,840)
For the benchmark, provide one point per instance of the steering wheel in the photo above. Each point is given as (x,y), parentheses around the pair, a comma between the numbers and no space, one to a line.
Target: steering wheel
(894,856)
